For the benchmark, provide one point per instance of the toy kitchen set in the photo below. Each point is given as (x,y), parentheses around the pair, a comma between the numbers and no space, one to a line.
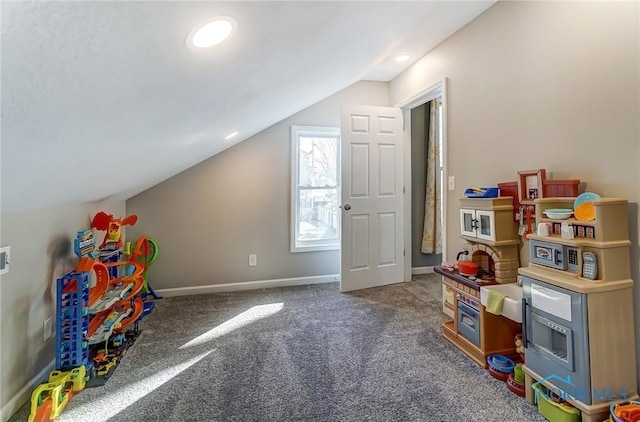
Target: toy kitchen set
(569,300)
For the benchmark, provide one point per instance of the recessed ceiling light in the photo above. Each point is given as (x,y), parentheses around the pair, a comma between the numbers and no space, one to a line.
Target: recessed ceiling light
(402,58)
(229,136)
(211,32)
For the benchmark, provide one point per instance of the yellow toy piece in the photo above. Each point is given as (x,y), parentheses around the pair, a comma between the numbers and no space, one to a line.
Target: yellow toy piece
(49,399)
(104,370)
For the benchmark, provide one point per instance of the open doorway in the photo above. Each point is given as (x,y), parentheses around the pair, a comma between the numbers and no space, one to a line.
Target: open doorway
(417,114)
(426,186)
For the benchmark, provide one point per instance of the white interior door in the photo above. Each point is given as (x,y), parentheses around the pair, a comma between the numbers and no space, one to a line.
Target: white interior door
(372,252)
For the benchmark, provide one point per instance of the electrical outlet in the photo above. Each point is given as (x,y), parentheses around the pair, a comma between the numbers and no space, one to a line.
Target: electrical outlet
(253,260)
(452,183)
(47,328)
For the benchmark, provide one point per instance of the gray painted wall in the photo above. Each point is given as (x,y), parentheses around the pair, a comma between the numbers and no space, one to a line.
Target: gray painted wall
(533,85)
(208,219)
(24,297)
(419,136)
(564,97)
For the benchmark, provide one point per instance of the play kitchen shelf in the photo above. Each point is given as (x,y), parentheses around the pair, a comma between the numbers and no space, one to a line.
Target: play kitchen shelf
(607,212)
(491,235)
(578,325)
(606,238)
(473,330)
(488,220)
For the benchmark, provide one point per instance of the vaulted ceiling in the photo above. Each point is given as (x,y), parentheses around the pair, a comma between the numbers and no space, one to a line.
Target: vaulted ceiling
(102,100)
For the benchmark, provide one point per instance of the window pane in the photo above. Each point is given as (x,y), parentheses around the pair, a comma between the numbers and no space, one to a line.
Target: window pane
(318,159)
(315,188)
(319,218)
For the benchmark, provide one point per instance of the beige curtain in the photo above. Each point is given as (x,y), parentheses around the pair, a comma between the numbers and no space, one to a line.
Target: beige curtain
(432,231)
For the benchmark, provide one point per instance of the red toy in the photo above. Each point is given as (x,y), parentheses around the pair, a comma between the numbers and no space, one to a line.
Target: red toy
(104,221)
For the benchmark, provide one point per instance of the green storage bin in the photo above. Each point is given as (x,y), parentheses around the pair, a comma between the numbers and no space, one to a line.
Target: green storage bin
(552,411)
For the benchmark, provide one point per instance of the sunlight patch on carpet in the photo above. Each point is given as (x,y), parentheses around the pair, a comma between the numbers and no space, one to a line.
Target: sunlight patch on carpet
(247,317)
(111,404)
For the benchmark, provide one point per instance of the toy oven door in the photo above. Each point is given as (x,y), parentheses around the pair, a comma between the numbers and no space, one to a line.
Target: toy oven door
(469,323)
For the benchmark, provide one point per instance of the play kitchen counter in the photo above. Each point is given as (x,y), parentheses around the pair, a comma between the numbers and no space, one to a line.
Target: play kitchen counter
(463,283)
(491,237)
(473,330)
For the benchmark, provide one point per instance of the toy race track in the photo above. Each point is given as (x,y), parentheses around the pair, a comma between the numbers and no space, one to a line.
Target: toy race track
(49,399)
(118,316)
(98,307)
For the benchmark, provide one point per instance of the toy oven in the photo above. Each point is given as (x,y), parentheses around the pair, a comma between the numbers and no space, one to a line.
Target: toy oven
(554,335)
(469,319)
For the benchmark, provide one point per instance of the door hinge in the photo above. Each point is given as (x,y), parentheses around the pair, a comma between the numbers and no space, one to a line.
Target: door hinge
(404,252)
(403,191)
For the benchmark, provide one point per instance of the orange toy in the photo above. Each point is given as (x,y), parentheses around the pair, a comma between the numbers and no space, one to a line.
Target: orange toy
(136,305)
(102,277)
(43,412)
(137,270)
(113,226)
(626,411)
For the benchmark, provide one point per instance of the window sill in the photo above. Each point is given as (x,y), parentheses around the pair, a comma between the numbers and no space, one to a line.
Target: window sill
(315,248)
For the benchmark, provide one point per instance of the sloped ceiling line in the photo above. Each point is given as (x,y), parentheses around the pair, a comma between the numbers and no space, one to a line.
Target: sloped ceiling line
(104,100)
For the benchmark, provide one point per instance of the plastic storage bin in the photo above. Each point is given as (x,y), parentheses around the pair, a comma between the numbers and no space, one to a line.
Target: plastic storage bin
(552,410)
(491,192)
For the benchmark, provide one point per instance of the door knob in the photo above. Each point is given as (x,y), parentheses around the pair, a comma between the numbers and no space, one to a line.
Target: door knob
(347,207)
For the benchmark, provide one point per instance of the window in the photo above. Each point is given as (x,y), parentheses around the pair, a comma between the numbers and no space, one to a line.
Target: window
(315,190)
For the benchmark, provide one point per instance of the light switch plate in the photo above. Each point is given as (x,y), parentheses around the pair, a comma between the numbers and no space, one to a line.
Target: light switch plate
(452,183)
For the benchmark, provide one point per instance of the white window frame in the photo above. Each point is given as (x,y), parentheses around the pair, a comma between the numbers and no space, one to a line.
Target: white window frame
(312,245)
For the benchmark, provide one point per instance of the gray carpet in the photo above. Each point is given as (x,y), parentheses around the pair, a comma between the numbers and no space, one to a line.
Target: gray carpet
(304,353)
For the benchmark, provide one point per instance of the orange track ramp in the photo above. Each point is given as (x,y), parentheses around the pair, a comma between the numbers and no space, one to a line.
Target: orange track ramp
(43,414)
(85,265)
(138,267)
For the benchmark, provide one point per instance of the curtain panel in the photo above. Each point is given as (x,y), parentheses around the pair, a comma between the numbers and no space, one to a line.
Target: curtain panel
(432,230)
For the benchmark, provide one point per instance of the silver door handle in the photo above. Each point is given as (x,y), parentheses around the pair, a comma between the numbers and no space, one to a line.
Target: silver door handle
(347,207)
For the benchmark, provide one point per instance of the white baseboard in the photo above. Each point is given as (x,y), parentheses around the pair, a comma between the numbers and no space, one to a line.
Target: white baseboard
(248,285)
(422,270)
(24,395)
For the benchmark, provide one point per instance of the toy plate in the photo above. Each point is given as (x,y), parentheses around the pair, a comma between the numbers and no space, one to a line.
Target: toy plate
(585,197)
(585,211)
(558,213)
(500,363)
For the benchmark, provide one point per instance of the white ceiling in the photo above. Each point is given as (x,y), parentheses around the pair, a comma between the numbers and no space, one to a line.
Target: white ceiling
(103,99)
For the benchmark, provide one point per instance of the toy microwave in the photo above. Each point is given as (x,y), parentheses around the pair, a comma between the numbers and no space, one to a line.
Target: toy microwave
(552,255)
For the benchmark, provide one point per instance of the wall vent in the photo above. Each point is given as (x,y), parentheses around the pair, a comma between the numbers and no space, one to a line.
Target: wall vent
(4,259)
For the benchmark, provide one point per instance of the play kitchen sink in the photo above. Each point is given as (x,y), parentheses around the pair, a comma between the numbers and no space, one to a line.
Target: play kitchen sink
(512,306)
